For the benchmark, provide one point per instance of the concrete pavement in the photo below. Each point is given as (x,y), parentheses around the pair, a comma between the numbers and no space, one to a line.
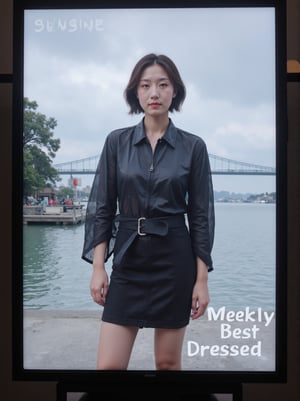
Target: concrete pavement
(68,340)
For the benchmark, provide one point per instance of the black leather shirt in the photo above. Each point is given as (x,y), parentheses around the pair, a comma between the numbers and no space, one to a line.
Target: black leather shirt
(134,181)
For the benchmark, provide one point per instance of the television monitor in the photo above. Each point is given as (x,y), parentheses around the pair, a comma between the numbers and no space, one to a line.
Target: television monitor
(72,61)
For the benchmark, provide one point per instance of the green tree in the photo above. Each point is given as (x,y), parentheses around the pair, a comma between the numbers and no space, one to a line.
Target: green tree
(65,192)
(39,147)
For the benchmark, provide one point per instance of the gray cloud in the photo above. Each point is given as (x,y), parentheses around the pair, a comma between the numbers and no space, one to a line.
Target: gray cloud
(77,63)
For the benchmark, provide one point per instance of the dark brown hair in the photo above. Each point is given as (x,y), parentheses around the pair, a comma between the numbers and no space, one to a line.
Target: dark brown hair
(168,65)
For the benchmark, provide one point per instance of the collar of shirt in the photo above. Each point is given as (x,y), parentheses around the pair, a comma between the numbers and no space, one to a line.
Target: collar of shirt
(169,136)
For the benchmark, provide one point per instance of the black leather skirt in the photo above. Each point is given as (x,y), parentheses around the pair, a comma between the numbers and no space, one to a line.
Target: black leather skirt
(152,285)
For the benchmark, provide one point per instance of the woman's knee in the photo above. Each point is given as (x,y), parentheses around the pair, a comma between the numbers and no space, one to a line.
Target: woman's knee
(167,363)
(168,348)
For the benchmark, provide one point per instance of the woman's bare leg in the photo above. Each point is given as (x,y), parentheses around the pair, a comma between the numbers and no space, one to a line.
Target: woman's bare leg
(115,346)
(168,348)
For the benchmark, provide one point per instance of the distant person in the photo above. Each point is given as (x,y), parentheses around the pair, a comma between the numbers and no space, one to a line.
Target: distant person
(154,174)
(44,204)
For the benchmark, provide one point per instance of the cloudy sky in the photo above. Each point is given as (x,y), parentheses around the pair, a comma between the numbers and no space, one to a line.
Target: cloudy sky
(78,62)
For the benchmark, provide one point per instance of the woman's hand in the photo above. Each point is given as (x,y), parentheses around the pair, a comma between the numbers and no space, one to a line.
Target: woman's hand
(99,285)
(200,296)
(99,280)
(200,299)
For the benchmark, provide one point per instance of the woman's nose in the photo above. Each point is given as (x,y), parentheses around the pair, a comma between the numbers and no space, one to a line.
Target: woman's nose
(154,91)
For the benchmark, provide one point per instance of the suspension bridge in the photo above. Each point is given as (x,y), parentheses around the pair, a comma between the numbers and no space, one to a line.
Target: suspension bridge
(219,166)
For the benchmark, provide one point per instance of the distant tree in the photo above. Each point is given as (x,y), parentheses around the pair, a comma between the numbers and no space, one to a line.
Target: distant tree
(65,192)
(39,147)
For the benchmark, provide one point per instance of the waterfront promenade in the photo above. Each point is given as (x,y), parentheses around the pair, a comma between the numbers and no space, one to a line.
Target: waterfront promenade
(68,340)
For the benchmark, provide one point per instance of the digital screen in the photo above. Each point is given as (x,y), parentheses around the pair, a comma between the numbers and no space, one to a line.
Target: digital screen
(77,63)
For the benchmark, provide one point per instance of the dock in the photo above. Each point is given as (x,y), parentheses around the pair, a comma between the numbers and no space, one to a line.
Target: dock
(59,215)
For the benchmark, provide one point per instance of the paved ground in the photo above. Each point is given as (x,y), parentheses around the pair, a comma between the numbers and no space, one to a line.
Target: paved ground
(68,340)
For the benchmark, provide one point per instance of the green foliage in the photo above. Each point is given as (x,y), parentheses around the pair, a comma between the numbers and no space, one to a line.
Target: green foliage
(65,192)
(39,147)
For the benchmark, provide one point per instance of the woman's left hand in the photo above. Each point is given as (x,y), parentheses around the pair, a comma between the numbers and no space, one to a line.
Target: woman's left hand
(200,299)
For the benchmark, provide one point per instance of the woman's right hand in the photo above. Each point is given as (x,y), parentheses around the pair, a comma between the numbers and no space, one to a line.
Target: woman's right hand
(99,285)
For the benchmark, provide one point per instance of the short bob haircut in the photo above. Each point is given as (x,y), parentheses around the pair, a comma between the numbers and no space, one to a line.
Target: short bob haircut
(168,65)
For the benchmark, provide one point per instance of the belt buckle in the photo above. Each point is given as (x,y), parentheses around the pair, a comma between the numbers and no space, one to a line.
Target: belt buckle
(139,226)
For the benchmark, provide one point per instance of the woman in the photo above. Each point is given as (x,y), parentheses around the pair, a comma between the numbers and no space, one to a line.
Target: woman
(154,174)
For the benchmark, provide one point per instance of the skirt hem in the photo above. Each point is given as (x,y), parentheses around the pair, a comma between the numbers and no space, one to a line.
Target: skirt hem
(143,323)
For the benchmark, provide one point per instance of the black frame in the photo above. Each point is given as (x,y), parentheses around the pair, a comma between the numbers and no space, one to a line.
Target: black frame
(149,392)
(144,377)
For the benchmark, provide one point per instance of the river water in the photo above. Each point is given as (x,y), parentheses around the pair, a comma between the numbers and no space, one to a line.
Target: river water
(56,278)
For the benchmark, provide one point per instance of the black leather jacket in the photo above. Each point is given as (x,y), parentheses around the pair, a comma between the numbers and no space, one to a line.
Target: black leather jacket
(135,182)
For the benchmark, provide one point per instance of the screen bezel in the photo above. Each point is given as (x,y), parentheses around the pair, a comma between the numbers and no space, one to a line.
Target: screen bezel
(188,377)
(231,391)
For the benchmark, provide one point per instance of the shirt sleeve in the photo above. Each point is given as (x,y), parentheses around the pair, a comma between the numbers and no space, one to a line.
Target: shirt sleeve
(201,215)
(102,204)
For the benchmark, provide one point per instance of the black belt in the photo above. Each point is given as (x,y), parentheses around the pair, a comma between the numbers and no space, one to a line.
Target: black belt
(143,226)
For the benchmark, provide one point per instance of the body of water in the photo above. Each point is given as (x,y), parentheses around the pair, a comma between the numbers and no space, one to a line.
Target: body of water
(55,276)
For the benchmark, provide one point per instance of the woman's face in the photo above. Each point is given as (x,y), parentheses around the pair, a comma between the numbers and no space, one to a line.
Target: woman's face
(155,91)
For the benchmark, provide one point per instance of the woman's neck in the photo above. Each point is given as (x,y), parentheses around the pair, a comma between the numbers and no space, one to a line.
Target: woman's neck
(156,127)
